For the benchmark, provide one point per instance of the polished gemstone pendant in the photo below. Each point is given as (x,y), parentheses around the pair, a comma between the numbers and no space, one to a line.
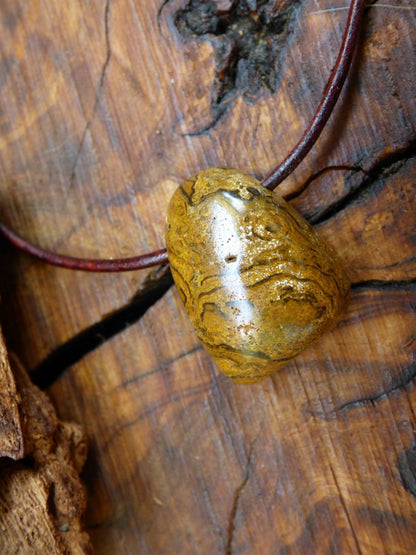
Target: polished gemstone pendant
(257,281)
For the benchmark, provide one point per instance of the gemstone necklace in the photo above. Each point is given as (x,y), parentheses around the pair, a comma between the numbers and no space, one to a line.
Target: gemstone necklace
(257,281)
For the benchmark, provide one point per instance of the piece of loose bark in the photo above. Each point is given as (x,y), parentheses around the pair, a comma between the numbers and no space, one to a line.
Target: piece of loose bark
(42,500)
(11,440)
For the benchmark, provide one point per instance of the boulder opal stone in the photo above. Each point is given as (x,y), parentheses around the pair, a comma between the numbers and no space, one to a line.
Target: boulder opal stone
(257,281)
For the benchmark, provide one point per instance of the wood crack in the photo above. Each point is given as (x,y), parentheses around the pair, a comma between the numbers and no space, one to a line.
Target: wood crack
(76,348)
(98,93)
(385,167)
(236,503)
(154,287)
(317,175)
(403,382)
(160,368)
(385,285)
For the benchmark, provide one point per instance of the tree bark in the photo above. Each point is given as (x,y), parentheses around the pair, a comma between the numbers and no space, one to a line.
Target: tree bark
(42,500)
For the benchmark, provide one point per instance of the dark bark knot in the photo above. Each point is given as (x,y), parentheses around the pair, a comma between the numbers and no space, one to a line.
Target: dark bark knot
(248,36)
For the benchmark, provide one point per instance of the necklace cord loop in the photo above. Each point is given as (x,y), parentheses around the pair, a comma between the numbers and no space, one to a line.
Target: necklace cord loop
(271,181)
(85,264)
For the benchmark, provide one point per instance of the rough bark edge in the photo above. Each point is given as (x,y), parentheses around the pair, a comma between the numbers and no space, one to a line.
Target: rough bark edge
(42,499)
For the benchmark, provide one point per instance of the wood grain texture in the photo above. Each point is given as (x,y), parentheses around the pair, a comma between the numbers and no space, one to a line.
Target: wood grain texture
(257,281)
(105,109)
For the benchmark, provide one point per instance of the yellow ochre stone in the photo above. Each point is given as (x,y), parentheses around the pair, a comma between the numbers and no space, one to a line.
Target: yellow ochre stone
(258,283)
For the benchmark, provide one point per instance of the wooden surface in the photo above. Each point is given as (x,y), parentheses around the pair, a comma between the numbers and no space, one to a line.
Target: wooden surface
(105,107)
